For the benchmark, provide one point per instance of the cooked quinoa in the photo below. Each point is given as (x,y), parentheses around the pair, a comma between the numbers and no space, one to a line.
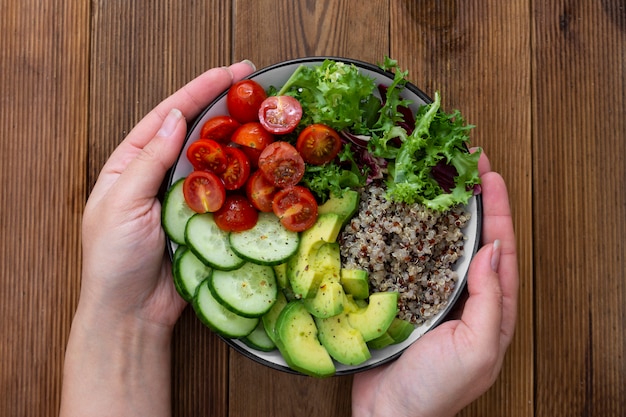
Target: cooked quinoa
(406,248)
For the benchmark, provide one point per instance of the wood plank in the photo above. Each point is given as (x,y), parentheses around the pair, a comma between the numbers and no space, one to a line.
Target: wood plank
(268,31)
(579,181)
(476,54)
(141,53)
(44,62)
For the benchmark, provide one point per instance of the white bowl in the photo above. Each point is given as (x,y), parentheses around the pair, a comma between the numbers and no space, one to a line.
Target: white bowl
(276,75)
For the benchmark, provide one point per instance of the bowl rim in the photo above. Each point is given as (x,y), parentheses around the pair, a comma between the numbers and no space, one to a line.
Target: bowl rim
(239,346)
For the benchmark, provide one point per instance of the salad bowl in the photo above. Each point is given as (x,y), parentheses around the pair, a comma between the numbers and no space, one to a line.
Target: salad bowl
(275,76)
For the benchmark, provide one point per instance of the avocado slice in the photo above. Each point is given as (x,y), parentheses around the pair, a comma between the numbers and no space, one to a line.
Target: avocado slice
(298,342)
(374,320)
(301,270)
(345,206)
(356,282)
(343,342)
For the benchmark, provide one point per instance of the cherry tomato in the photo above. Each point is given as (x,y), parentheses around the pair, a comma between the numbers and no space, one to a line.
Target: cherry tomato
(253,155)
(244,99)
(280,114)
(260,192)
(252,135)
(236,214)
(281,164)
(207,155)
(318,144)
(237,169)
(296,208)
(219,128)
(203,191)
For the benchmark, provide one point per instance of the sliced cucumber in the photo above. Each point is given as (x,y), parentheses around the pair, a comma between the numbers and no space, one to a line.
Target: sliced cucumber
(249,291)
(218,318)
(267,243)
(210,243)
(175,213)
(189,272)
(259,339)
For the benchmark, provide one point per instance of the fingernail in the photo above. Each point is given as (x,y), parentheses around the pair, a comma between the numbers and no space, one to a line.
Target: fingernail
(247,61)
(170,122)
(495,255)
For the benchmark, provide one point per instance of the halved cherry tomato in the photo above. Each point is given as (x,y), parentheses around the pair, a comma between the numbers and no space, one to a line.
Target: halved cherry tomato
(281,164)
(253,155)
(244,99)
(207,155)
(203,191)
(260,191)
(237,169)
(296,208)
(219,128)
(252,135)
(280,114)
(236,214)
(318,144)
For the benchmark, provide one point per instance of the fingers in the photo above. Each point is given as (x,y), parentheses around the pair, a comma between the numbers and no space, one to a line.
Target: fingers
(483,309)
(498,225)
(190,100)
(144,174)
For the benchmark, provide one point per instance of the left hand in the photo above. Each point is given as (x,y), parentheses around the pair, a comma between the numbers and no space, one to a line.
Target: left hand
(118,355)
(124,265)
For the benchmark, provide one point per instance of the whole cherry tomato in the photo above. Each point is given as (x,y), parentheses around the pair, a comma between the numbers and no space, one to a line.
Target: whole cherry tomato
(318,144)
(252,135)
(281,164)
(203,191)
(207,155)
(296,208)
(280,114)
(244,99)
(219,128)
(236,214)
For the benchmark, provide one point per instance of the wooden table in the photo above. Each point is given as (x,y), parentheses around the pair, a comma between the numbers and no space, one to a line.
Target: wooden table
(544,82)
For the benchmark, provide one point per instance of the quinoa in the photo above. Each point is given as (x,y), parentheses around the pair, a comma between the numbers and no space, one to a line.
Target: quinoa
(406,248)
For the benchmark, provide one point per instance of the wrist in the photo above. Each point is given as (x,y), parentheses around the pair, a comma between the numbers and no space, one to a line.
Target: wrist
(116,364)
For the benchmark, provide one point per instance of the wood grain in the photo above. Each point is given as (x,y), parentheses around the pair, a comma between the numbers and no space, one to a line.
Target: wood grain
(43,114)
(580,208)
(542,81)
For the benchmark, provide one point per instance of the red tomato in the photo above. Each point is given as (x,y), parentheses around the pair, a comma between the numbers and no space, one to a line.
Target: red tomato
(207,155)
(203,191)
(280,114)
(252,135)
(253,155)
(318,144)
(237,170)
(260,192)
(236,214)
(296,208)
(244,99)
(219,128)
(281,164)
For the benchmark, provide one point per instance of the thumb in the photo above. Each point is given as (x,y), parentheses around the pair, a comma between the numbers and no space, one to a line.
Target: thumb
(144,174)
(483,309)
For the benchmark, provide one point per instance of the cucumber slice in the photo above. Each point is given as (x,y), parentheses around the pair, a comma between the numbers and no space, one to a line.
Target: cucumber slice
(267,243)
(175,213)
(189,272)
(210,243)
(249,291)
(218,318)
(259,339)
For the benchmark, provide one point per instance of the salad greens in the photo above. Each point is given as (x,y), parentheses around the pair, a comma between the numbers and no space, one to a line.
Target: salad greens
(424,154)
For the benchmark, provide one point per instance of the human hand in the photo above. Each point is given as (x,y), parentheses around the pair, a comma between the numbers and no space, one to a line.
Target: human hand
(118,354)
(455,363)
